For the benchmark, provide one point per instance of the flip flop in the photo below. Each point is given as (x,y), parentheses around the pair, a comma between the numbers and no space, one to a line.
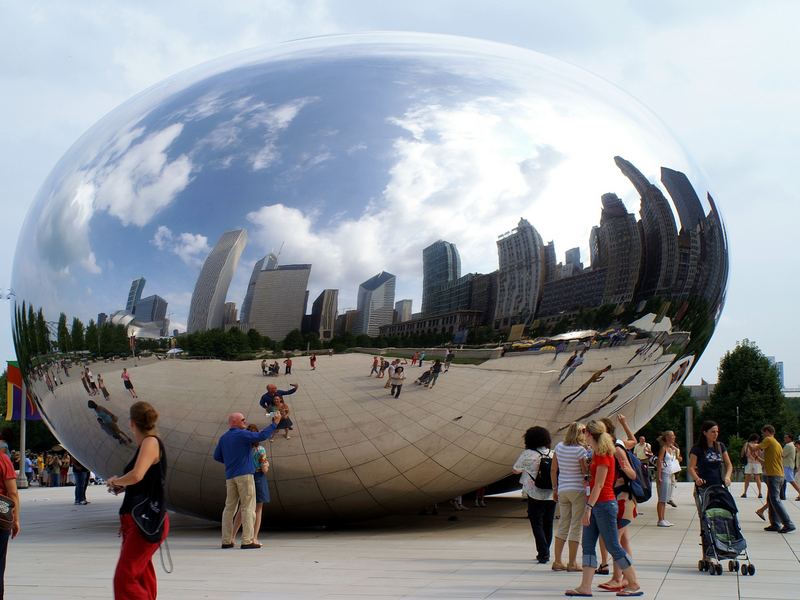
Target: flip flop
(607,587)
(760,516)
(602,569)
(630,594)
(573,594)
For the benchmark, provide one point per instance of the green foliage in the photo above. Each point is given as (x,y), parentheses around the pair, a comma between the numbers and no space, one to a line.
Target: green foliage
(77,335)
(672,417)
(294,341)
(63,334)
(735,445)
(748,382)
(92,338)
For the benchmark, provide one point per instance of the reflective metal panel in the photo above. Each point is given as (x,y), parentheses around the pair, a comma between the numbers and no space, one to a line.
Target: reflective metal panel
(371,190)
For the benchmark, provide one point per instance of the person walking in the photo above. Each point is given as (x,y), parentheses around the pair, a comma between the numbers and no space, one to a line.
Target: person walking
(666,465)
(414,358)
(600,515)
(574,361)
(313,361)
(436,370)
(421,358)
(287,366)
(752,470)
(533,467)
(448,359)
(81,475)
(234,451)
(709,464)
(8,488)
(375,364)
(568,473)
(102,385)
(773,476)
(397,378)
(126,380)
(788,457)
(142,481)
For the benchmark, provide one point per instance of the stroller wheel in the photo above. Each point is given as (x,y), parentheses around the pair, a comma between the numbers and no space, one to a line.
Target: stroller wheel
(731,566)
(744,569)
(718,568)
(751,569)
(701,565)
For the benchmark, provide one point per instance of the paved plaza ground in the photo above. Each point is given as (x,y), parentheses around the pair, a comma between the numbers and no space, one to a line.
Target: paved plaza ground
(69,552)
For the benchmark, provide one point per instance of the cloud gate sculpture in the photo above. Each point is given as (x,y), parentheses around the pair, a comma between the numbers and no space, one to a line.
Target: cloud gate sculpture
(407,192)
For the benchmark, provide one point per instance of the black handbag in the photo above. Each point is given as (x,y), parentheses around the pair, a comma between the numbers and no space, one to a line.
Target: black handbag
(150,511)
(6,513)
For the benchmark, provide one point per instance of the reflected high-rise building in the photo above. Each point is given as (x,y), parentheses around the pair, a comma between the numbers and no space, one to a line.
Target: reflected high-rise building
(152,308)
(231,314)
(714,272)
(441,265)
(208,299)
(323,314)
(659,235)
(692,217)
(573,257)
(520,275)
(550,261)
(101,319)
(616,246)
(135,294)
(278,302)
(375,304)
(403,310)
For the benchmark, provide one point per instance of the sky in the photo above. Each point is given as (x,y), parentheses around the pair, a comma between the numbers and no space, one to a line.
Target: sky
(721,75)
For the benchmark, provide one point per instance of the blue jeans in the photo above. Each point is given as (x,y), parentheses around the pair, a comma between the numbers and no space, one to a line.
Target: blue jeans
(81,482)
(777,513)
(603,523)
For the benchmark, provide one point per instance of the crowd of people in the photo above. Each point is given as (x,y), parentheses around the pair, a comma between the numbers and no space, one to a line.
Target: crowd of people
(395,371)
(586,484)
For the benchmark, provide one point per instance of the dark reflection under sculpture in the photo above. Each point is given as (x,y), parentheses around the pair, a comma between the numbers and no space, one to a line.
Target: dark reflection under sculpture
(317,194)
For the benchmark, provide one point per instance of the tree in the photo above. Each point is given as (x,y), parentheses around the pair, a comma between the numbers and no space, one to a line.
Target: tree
(747,395)
(672,417)
(92,338)
(63,334)
(42,333)
(76,335)
(294,341)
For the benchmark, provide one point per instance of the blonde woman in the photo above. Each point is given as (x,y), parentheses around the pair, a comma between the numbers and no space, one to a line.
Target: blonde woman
(665,467)
(568,474)
(600,515)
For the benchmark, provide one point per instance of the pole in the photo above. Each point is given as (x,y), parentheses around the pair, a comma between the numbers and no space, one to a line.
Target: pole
(689,415)
(22,480)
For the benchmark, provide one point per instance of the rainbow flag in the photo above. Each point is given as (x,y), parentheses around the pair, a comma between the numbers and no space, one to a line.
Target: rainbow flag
(14,396)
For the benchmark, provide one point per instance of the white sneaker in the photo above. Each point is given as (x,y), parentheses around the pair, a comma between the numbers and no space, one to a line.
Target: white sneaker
(664,524)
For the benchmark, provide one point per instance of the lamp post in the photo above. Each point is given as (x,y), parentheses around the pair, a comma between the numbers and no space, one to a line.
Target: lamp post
(22,480)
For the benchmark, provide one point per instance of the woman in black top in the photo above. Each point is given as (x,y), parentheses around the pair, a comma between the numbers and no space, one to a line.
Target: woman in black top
(709,463)
(135,576)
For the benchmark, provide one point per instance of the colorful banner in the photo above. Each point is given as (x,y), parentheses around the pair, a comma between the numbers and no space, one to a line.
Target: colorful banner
(14,396)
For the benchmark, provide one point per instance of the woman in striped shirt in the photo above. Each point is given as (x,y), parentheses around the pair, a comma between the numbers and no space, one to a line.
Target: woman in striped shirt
(569,490)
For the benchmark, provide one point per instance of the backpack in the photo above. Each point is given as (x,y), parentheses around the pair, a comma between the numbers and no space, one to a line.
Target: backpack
(641,488)
(543,480)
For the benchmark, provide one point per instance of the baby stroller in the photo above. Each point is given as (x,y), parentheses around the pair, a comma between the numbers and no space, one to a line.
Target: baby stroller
(720,532)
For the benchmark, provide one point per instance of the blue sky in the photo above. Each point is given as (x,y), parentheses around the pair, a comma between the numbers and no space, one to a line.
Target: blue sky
(720,76)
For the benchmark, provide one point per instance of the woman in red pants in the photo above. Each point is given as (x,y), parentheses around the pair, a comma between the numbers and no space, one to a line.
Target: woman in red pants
(135,577)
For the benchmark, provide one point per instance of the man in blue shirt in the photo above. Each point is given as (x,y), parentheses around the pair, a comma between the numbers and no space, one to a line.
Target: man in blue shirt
(267,401)
(234,449)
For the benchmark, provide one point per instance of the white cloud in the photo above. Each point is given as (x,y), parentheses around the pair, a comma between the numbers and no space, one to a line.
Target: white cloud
(191,248)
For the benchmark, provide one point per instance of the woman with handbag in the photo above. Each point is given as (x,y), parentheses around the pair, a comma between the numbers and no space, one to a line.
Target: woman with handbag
(143,483)
(666,466)
(9,513)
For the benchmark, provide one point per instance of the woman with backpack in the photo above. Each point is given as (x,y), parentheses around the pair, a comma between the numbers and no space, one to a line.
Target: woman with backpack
(534,467)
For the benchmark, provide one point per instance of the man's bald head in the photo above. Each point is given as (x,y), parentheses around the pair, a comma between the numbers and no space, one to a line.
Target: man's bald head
(272,388)
(236,420)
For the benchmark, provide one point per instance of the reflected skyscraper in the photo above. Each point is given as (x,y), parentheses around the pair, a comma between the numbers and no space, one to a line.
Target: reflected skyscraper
(323,314)
(441,264)
(152,308)
(403,310)
(208,299)
(230,316)
(135,294)
(616,245)
(278,301)
(375,304)
(521,274)
(659,235)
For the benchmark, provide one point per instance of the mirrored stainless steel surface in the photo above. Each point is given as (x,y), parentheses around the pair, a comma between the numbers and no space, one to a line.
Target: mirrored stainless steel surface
(424,189)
